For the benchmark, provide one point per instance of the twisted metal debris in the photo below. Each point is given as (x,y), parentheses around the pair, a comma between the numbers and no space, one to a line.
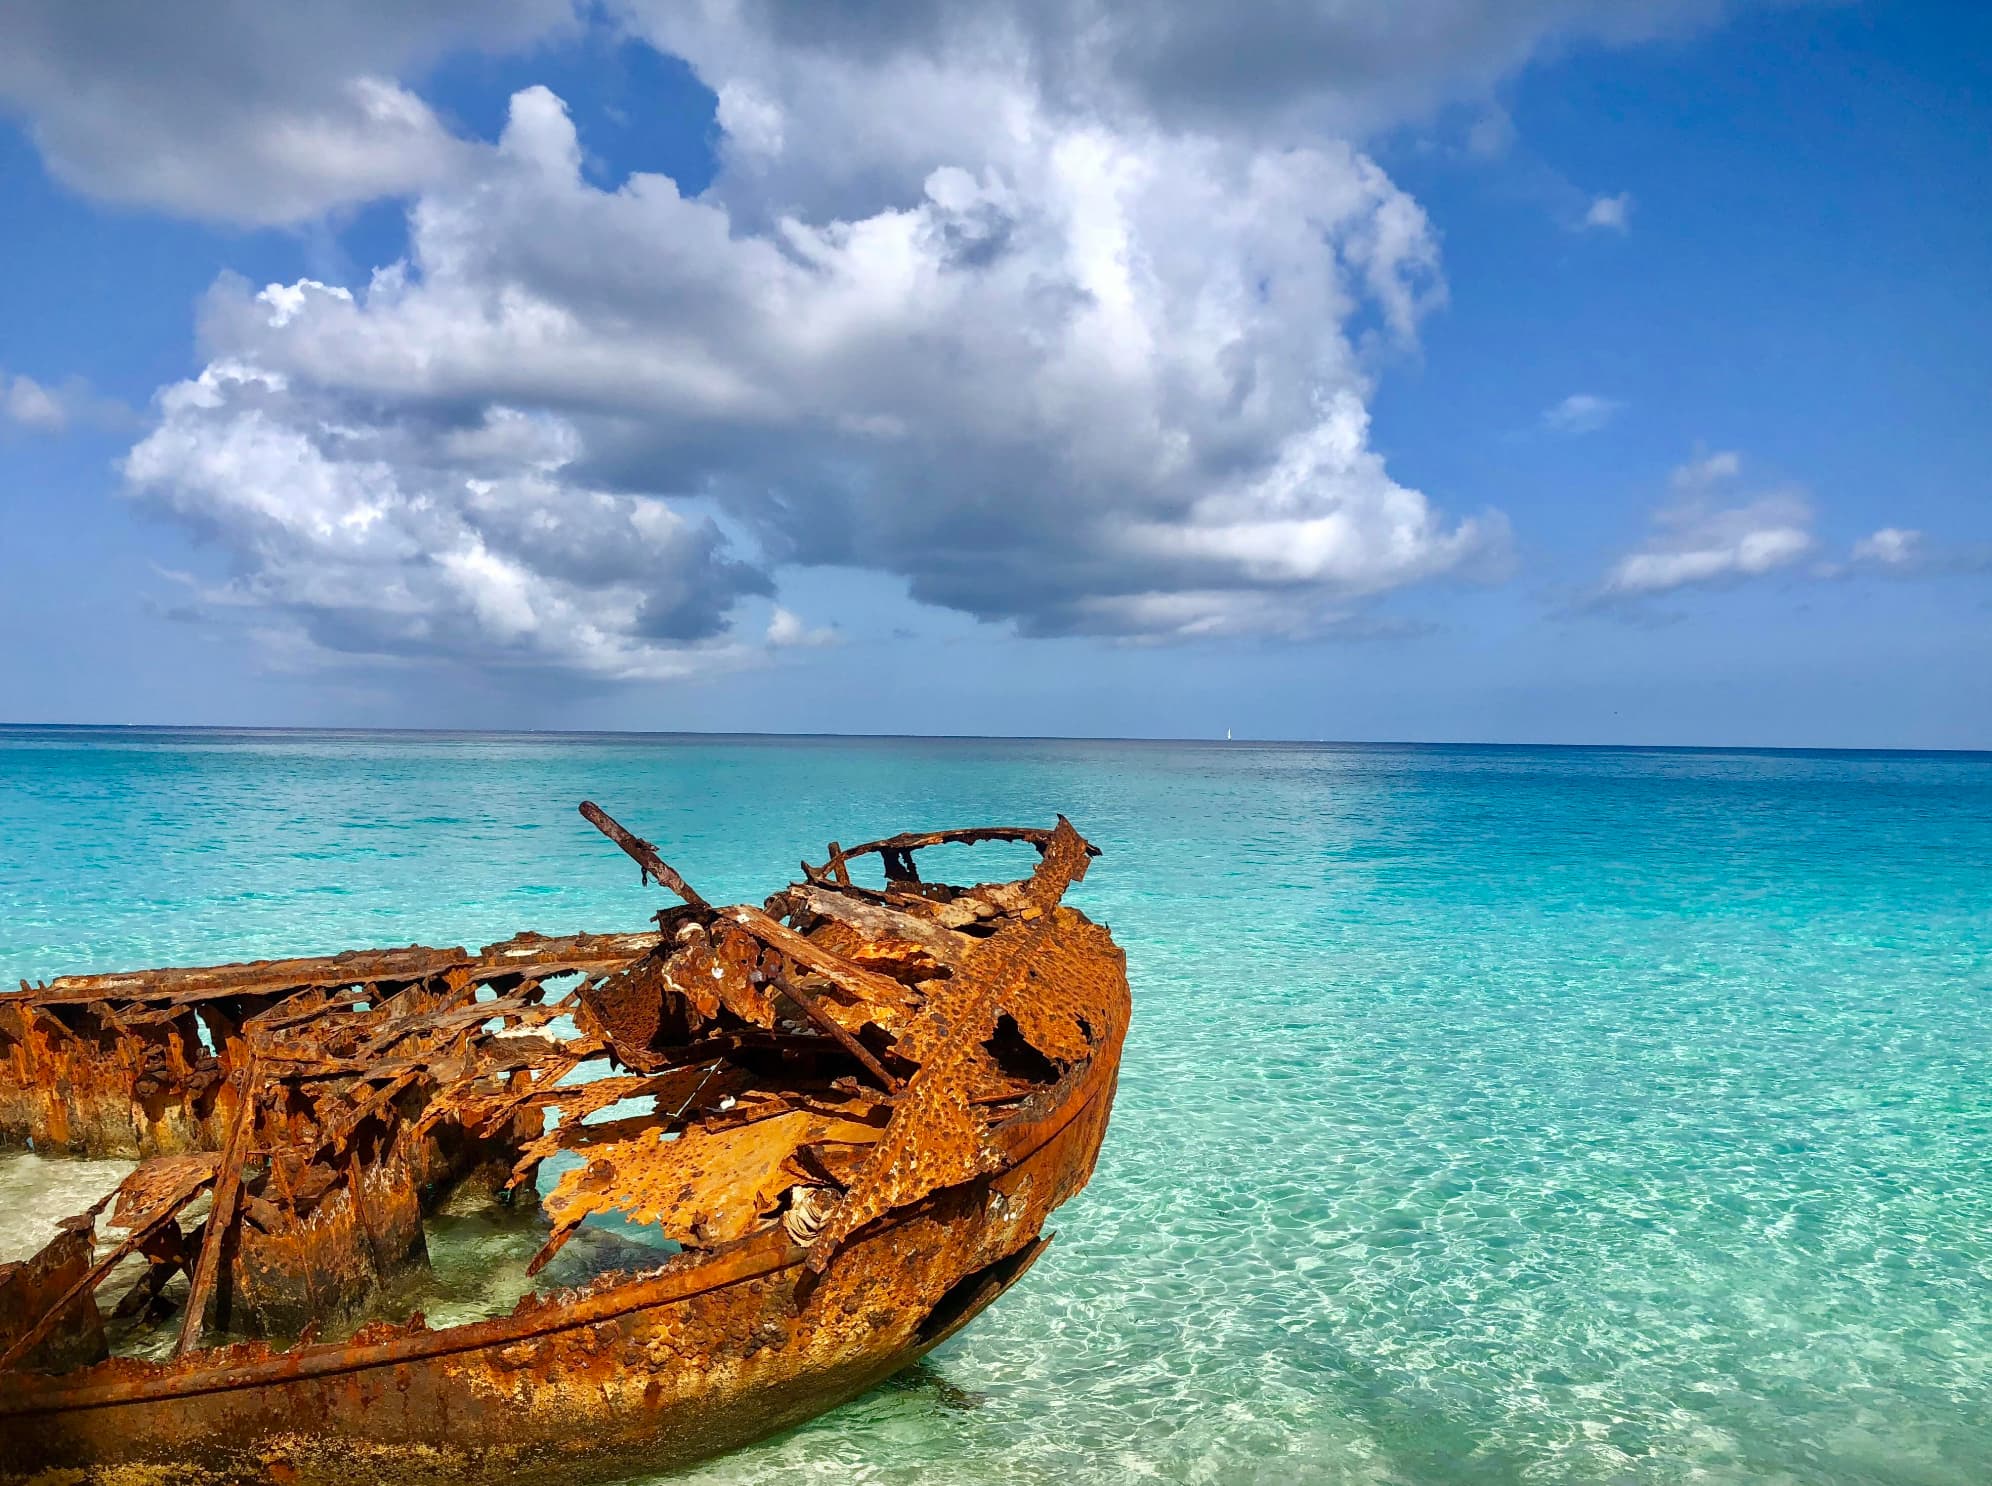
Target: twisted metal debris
(856,1109)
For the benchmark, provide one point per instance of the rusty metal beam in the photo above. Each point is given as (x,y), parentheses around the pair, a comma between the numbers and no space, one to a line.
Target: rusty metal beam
(827,1023)
(255,977)
(911,841)
(227,1188)
(867,985)
(528,953)
(642,853)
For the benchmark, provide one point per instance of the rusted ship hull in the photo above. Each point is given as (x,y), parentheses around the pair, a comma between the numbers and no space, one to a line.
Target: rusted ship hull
(641,1376)
(716,1347)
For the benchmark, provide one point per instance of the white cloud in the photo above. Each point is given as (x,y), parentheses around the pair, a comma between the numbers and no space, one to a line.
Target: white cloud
(749,121)
(27,402)
(1062,316)
(1611,213)
(787,631)
(1301,68)
(408,538)
(1087,380)
(1711,534)
(1708,534)
(1899,552)
(1891,547)
(55,409)
(252,113)
(245,112)
(1706,471)
(1580,412)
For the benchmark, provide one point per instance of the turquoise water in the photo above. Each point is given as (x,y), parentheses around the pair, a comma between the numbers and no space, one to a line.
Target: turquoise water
(1490,1115)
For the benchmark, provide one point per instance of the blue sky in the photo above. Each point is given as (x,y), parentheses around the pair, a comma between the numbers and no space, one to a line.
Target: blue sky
(1451,370)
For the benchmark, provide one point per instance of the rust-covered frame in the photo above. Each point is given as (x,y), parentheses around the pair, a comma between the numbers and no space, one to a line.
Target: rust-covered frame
(857,1108)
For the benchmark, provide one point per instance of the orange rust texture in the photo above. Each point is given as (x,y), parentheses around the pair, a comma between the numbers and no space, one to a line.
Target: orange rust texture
(293,1265)
(632,1384)
(855,1123)
(939,1135)
(117,1065)
(31,1288)
(331,1205)
(80,1078)
(334,1212)
(705,1187)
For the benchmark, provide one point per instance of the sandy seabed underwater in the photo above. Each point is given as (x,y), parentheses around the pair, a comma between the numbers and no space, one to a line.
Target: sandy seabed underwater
(1490,1114)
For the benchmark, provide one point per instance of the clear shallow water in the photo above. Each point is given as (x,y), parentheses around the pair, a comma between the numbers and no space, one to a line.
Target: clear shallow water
(1490,1115)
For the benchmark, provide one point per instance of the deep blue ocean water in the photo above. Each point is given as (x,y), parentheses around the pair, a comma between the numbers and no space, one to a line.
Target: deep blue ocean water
(1490,1114)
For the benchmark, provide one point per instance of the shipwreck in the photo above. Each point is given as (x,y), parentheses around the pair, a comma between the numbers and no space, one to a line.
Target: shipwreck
(846,1113)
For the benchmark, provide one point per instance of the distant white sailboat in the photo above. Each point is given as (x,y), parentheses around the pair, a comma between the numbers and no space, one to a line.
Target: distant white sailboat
(1227,735)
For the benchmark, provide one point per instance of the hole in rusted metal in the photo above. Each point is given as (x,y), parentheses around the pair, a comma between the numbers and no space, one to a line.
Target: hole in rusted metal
(1017,1057)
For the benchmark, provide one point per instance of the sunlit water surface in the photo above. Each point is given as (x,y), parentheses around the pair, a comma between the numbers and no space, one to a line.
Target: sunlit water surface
(1490,1115)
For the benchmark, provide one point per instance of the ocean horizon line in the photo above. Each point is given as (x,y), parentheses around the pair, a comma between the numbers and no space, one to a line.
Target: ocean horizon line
(1160,740)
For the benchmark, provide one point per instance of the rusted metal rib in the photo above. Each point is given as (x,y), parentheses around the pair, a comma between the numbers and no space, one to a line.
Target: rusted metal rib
(642,853)
(910,841)
(227,1188)
(527,953)
(256,977)
(868,985)
(844,1039)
